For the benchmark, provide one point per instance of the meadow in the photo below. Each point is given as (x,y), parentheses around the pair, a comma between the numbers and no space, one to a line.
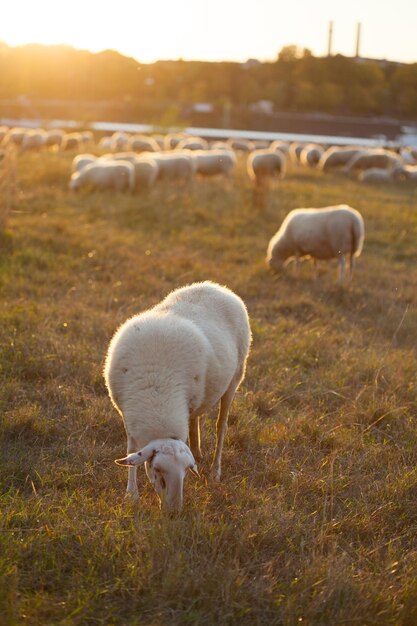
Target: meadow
(315,520)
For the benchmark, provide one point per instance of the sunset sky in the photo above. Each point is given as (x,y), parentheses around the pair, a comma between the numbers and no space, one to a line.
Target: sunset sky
(217,30)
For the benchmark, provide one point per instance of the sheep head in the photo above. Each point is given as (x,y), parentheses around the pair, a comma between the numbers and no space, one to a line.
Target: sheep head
(166,462)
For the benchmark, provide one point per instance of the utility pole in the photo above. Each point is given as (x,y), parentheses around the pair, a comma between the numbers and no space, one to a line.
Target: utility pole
(358,39)
(330,40)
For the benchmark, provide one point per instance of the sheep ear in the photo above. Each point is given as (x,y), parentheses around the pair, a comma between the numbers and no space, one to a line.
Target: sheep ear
(138,458)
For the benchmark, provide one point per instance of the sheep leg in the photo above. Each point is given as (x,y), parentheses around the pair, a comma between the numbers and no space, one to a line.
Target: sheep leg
(221,428)
(132,485)
(194,437)
(351,266)
(342,268)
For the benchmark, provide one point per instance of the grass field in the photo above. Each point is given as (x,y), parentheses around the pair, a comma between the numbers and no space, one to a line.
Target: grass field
(315,520)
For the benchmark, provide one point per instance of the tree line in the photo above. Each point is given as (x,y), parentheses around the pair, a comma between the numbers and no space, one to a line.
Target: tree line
(296,81)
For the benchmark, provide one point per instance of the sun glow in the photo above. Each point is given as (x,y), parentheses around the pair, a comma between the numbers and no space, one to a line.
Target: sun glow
(219,30)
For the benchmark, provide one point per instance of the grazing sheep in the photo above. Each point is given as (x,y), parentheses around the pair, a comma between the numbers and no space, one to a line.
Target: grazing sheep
(54,138)
(406,172)
(172,140)
(212,162)
(140,143)
(146,167)
(105,174)
(326,233)
(365,159)
(80,161)
(33,139)
(311,154)
(72,141)
(241,145)
(14,135)
(167,366)
(105,143)
(295,149)
(175,166)
(336,157)
(219,145)
(261,165)
(376,175)
(119,141)
(282,146)
(192,143)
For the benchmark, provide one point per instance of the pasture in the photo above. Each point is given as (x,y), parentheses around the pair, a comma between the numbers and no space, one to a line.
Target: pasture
(315,520)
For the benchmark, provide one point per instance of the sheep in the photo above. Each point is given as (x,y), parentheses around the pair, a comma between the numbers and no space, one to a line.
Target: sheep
(294,151)
(80,161)
(406,172)
(72,141)
(212,162)
(105,143)
(377,175)
(119,141)
(241,145)
(192,143)
(324,233)
(14,135)
(105,174)
(173,165)
(167,366)
(140,143)
(311,154)
(282,146)
(146,167)
(336,157)
(261,165)
(365,159)
(33,139)
(172,140)
(54,138)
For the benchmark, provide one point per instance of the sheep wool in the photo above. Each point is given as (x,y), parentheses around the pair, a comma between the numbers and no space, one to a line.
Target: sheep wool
(322,234)
(167,366)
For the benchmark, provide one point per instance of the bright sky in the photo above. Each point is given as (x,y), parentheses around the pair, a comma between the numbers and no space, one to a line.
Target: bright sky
(216,30)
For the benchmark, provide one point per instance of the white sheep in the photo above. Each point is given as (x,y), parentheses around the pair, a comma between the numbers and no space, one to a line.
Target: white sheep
(282,146)
(294,151)
(378,175)
(325,233)
(365,159)
(167,366)
(336,157)
(80,161)
(406,172)
(145,166)
(119,141)
(105,174)
(54,138)
(311,154)
(192,143)
(72,141)
(212,162)
(261,165)
(33,139)
(175,166)
(141,143)
(241,145)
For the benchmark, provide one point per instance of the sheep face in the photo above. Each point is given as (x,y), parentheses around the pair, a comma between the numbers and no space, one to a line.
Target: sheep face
(166,462)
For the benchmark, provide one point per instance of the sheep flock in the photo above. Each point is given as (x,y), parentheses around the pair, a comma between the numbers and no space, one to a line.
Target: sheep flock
(168,365)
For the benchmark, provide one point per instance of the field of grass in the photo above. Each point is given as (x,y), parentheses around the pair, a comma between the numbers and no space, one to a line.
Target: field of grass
(315,520)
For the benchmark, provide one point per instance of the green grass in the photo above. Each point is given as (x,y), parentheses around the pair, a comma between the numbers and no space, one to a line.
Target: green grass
(315,520)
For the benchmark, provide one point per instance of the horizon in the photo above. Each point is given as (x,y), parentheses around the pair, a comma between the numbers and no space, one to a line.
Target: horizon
(187,32)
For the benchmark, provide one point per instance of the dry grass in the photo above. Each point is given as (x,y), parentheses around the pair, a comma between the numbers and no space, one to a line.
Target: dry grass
(315,520)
